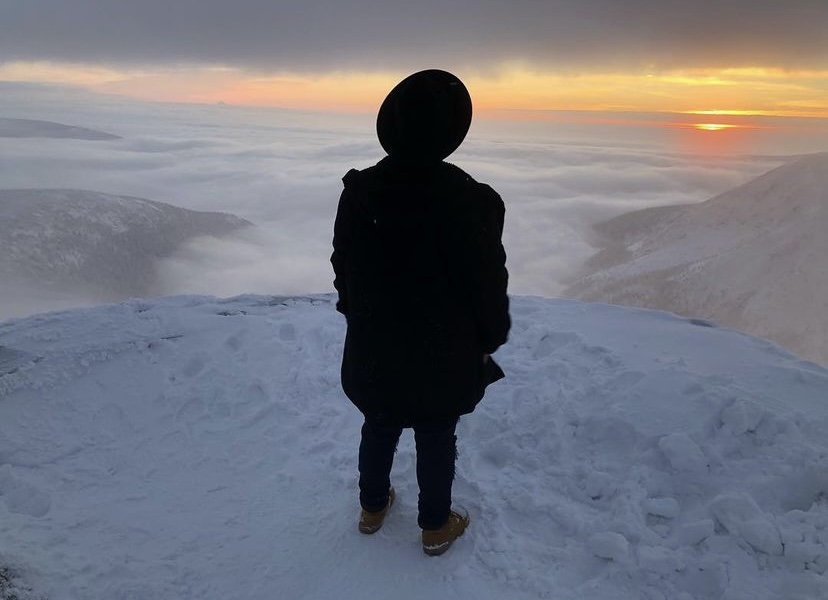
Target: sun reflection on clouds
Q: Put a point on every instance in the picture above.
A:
(717, 139)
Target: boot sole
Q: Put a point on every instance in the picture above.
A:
(438, 550)
(441, 548)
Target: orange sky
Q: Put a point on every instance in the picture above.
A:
(718, 92)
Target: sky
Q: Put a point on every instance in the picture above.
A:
(727, 56)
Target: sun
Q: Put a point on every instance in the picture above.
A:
(713, 126)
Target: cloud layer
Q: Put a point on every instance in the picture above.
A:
(364, 35)
(282, 169)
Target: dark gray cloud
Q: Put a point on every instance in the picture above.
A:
(394, 34)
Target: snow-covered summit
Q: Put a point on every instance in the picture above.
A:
(31, 128)
(199, 448)
(97, 246)
(752, 258)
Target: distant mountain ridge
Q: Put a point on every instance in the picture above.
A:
(100, 245)
(752, 258)
(31, 128)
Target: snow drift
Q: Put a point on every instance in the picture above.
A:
(81, 244)
(199, 448)
(752, 258)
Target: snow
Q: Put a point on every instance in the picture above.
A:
(82, 244)
(192, 447)
(751, 258)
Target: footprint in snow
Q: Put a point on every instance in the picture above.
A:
(287, 332)
(194, 366)
(236, 341)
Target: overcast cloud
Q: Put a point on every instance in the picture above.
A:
(319, 35)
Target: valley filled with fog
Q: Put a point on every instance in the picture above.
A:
(558, 173)
(282, 169)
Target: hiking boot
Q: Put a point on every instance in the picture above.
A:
(370, 522)
(437, 541)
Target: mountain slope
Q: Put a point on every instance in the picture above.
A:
(30, 128)
(752, 258)
(200, 448)
(89, 244)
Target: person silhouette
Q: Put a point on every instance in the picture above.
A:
(420, 272)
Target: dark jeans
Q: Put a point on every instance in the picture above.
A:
(436, 453)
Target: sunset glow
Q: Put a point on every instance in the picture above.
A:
(728, 92)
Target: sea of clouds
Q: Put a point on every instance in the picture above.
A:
(281, 170)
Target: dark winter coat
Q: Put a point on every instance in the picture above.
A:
(421, 276)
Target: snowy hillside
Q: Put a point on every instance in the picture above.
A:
(29, 128)
(194, 448)
(91, 245)
(753, 258)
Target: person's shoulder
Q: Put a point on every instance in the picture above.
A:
(355, 176)
(451, 173)
(473, 189)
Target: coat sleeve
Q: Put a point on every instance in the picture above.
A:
(478, 262)
(342, 242)
(491, 302)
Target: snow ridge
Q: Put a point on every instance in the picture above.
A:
(200, 448)
(94, 244)
(751, 258)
